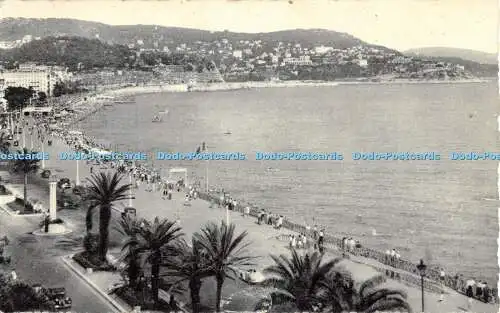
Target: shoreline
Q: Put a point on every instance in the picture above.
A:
(229, 86)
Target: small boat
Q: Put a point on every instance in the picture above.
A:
(228, 132)
(124, 101)
(157, 119)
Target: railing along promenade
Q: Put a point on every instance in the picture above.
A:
(410, 275)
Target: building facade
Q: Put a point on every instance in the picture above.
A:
(40, 78)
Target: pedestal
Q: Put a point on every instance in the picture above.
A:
(53, 201)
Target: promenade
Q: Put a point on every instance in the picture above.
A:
(265, 240)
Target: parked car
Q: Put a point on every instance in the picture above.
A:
(64, 183)
(5, 257)
(80, 190)
(45, 174)
(58, 299)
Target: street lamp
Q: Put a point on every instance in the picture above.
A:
(42, 139)
(421, 268)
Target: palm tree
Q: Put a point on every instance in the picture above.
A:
(298, 278)
(225, 251)
(337, 291)
(156, 240)
(104, 190)
(25, 166)
(4, 144)
(191, 265)
(130, 228)
(372, 298)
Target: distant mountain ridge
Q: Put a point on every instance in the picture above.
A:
(465, 54)
(15, 28)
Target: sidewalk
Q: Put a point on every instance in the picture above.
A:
(264, 239)
(100, 282)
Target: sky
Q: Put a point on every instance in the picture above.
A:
(398, 24)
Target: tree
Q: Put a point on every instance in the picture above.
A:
(4, 144)
(157, 240)
(17, 97)
(225, 250)
(338, 291)
(372, 298)
(104, 190)
(298, 278)
(191, 265)
(26, 166)
(42, 97)
(19, 296)
(130, 228)
(59, 90)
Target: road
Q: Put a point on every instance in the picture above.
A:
(37, 260)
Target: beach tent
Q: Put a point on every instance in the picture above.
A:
(37, 110)
(173, 171)
(99, 151)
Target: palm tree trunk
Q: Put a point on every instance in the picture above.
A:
(133, 271)
(25, 200)
(155, 276)
(46, 224)
(104, 220)
(220, 283)
(194, 290)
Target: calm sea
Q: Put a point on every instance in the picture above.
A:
(436, 210)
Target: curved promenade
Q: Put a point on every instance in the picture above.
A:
(432, 281)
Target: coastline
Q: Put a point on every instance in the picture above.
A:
(228, 86)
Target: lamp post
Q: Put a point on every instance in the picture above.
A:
(421, 268)
(42, 139)
(130, 197)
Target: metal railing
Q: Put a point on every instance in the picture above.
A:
(432, 281)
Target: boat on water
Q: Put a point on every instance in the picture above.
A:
(124, 101)
(228, 132)
(157, 119)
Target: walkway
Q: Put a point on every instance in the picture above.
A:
(263, 238)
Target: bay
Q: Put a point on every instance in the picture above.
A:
(437, 210)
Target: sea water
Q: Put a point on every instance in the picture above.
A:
(441, 210)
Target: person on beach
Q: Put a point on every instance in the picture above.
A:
(294, 242)
(315, 232)
(321, 238)
(260, 217)
(279, 223)
(299, 241)
(304, 241)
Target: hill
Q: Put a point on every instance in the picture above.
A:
(16, 28)
(465, 54)
(475, 68)
(69, 51)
